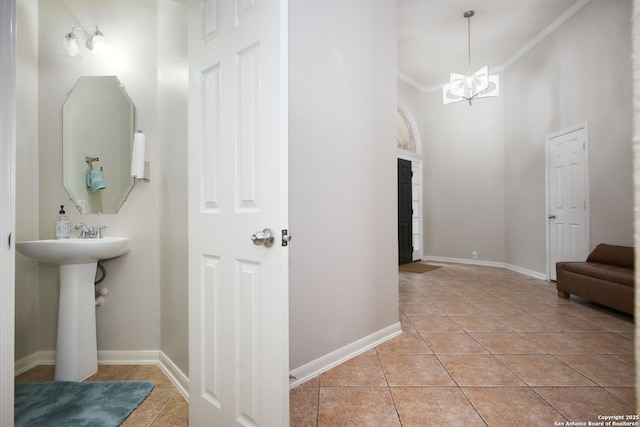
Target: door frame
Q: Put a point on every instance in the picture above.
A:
(7, 208)
(417, 167)
(547, 189)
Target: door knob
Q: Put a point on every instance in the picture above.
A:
(263, 238)
(552, 217)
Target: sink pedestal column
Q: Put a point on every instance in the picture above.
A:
(77, 346)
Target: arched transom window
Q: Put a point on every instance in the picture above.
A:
(406, 139)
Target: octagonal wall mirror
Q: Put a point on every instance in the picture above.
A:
(98, 122)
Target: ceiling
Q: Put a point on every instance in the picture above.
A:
(432, 34)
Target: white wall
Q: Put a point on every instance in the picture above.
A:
(154, 214)
(580, 73)
(342, 167)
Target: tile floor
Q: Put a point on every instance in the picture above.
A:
(164, 407)
(481, 346)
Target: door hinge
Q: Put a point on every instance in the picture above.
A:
(9, 240)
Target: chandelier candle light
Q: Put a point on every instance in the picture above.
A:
(471, 86)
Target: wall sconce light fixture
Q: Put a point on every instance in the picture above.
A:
(70, 45)
(97, 43)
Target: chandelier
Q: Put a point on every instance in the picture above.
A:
(471, 86)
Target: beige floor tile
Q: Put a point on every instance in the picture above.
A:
(435, 324)
(151, 373)
(541, 309)
(500, 309)
(404, 343)
(414, 370)
(406, 324)
(570, 323)
(112, 372)
(526, 323)
(618, 323)
(479, 370)
(482, 323)
(357, 407)
(38, 374)
(608, 342)
(561, 343)
(626, 394)
(544, 370)
(422, 309)
(303, 406)
(434, 407)
(363, 370)
(444, 343)
(151, 407)
(603, 369)
(584, 403)
(176, 414)
(460, 309)
(506, 343)
(512, 406)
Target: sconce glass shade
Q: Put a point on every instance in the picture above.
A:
(70, 45)
(98, 44)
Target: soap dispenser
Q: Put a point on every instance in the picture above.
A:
(63, 226)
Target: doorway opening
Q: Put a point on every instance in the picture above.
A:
(410, 223)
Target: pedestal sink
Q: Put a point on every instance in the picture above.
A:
(76, 347)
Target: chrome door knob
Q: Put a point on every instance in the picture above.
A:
(263, 238)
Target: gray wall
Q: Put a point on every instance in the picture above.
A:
(580, 73)
(342, 165)
(485, 165)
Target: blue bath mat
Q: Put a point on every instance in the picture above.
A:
(62, 403)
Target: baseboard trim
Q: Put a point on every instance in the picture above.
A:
(141, 357)
(517, 269)
(107, 357)
(177, 377)
(333, 359)
(46, 357)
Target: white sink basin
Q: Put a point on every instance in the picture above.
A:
(75, 251)
(76, 347)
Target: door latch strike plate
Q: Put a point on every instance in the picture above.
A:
(286, 237)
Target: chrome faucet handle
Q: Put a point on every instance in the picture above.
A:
(84, 230)
(98, 231)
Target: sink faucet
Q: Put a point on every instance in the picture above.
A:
(90, 232)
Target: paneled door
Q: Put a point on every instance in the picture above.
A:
(405, 212)
(567, 198)
(238, 267)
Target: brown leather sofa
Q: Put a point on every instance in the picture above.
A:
(606, 277)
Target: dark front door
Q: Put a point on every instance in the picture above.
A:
(405, 211)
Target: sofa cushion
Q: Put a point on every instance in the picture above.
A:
(612, 273)
(622, 256)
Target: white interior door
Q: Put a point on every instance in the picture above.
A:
(238, 291)
(567, 198)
